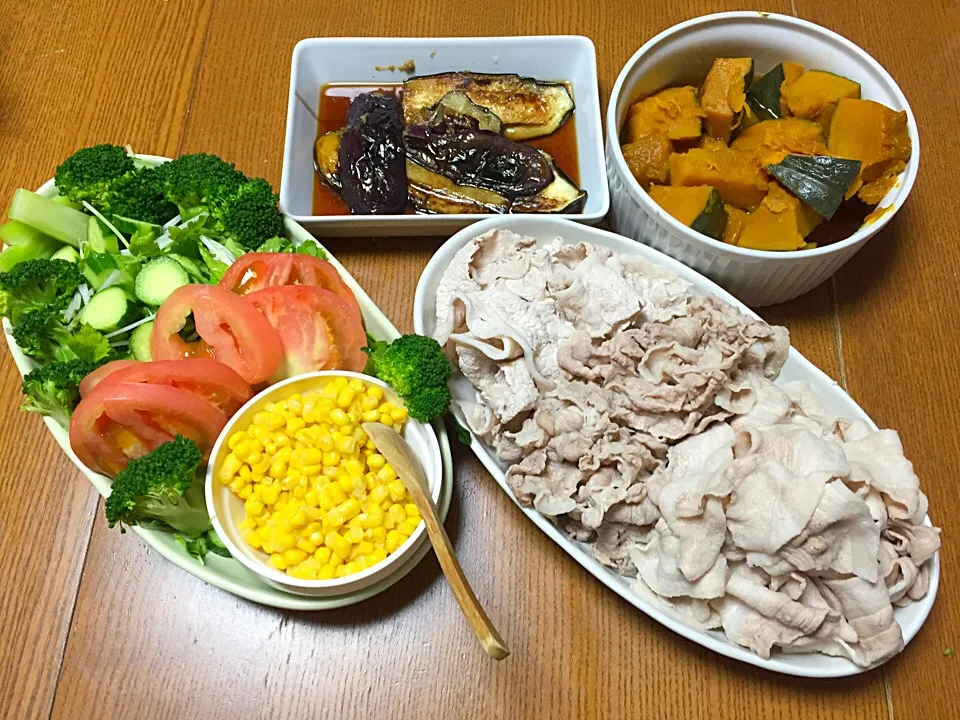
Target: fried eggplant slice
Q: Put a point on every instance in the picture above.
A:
(372, 172)
(326, 158)
(479, 158)
(455, 107)
(528, 108)
(434, 194)
(560, 196)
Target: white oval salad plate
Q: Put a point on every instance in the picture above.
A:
(797, 367)
(227, 573)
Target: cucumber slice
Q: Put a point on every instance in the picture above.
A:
(106, 310)
(158, 279)
(190, 265)
(100, 240)
(48, 216)
(67, 253)
(140, 342)
(14, 232)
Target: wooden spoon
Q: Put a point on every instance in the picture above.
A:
(398, 453)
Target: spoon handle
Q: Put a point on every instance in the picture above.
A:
(392, 446)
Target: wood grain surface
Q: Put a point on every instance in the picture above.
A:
(93, 624)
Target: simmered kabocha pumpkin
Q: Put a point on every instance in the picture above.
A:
(761, 164)
(815, 95)
(737, 176)
(674, 113)
(724, 95)
(875, 135)
(772, 140)
(648, 158)
(699, 208)
(780, 223)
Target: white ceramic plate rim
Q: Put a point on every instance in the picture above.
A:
(591, 114)
(907, 178)
(813, 665)
(256, 591)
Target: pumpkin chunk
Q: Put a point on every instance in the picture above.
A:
(815, 95)
(875, 135)
(820, 181)
(673, 112)
(736, 175)
(780, 223)
(736, 219)
(772, 140)
(648, 158)
(724, 95)
(699, 208)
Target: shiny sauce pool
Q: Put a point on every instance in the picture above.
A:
(335, 100)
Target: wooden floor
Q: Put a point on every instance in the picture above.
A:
(95, 625)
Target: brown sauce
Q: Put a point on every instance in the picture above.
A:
(335, 100)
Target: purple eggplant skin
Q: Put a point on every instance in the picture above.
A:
(479, 158)
(373, 170)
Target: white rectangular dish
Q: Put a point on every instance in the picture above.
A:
(797, 367)
(319, 61)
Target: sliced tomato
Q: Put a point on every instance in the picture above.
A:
(257, 271)
(208, 379)
(119, 421)
(230, 331)
(95, 378)
(318, 330)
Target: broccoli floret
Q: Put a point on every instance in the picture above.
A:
(139, 195)
(160, 490)
(197, 179)
(89, 173)
(52, 390)
(42, 334)
(417, 369)
(37, 285)
(250, 216)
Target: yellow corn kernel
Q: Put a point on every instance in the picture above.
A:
(345, 482)
(345, 444)
(282, 541)
(368, 402)
(385, 419)
(355, 523)
(270, 494)
(345, 397)
(325, 442)
(322, 555)
(245, 492)
(399, 415)
(327, 572)
(277, 560)
(334, 518)
(378, 535)
(310, 497)
(353, 467)
(337, 495)
(245, 472)
(357, 385)
(365, 547)
(282, 441)
(354, 535)
(397, 514)
(323, 496)
(349, 508)
(339, 417)
(331, 458)
(294, 556)
(376, 461)
(340, 572)
(237, 438)
(351, 568)
(378, 555)
(237, 484)
(412, 511)
(270, 449)
(336, 560)
(370, 415)
(302, 573)
(375, 392)
(311, 470)
(361, 437)
(407, 527)
(394, 540)
(261, 467)
(372, 519)
(379, 494)
(231, 466)
(385, 505)
(337, 543)
(254, 506)
(307, 546)
(310, 456)
(396, 488)
(278, 470)
(295, 424)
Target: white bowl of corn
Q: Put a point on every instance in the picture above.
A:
(300, 495)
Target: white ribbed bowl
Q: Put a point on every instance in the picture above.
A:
(682, 55)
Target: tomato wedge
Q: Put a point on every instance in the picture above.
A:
(120, 421)
(95, 378)
(230, 331)
(208, 379)
(257, 271)
(318, 330)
